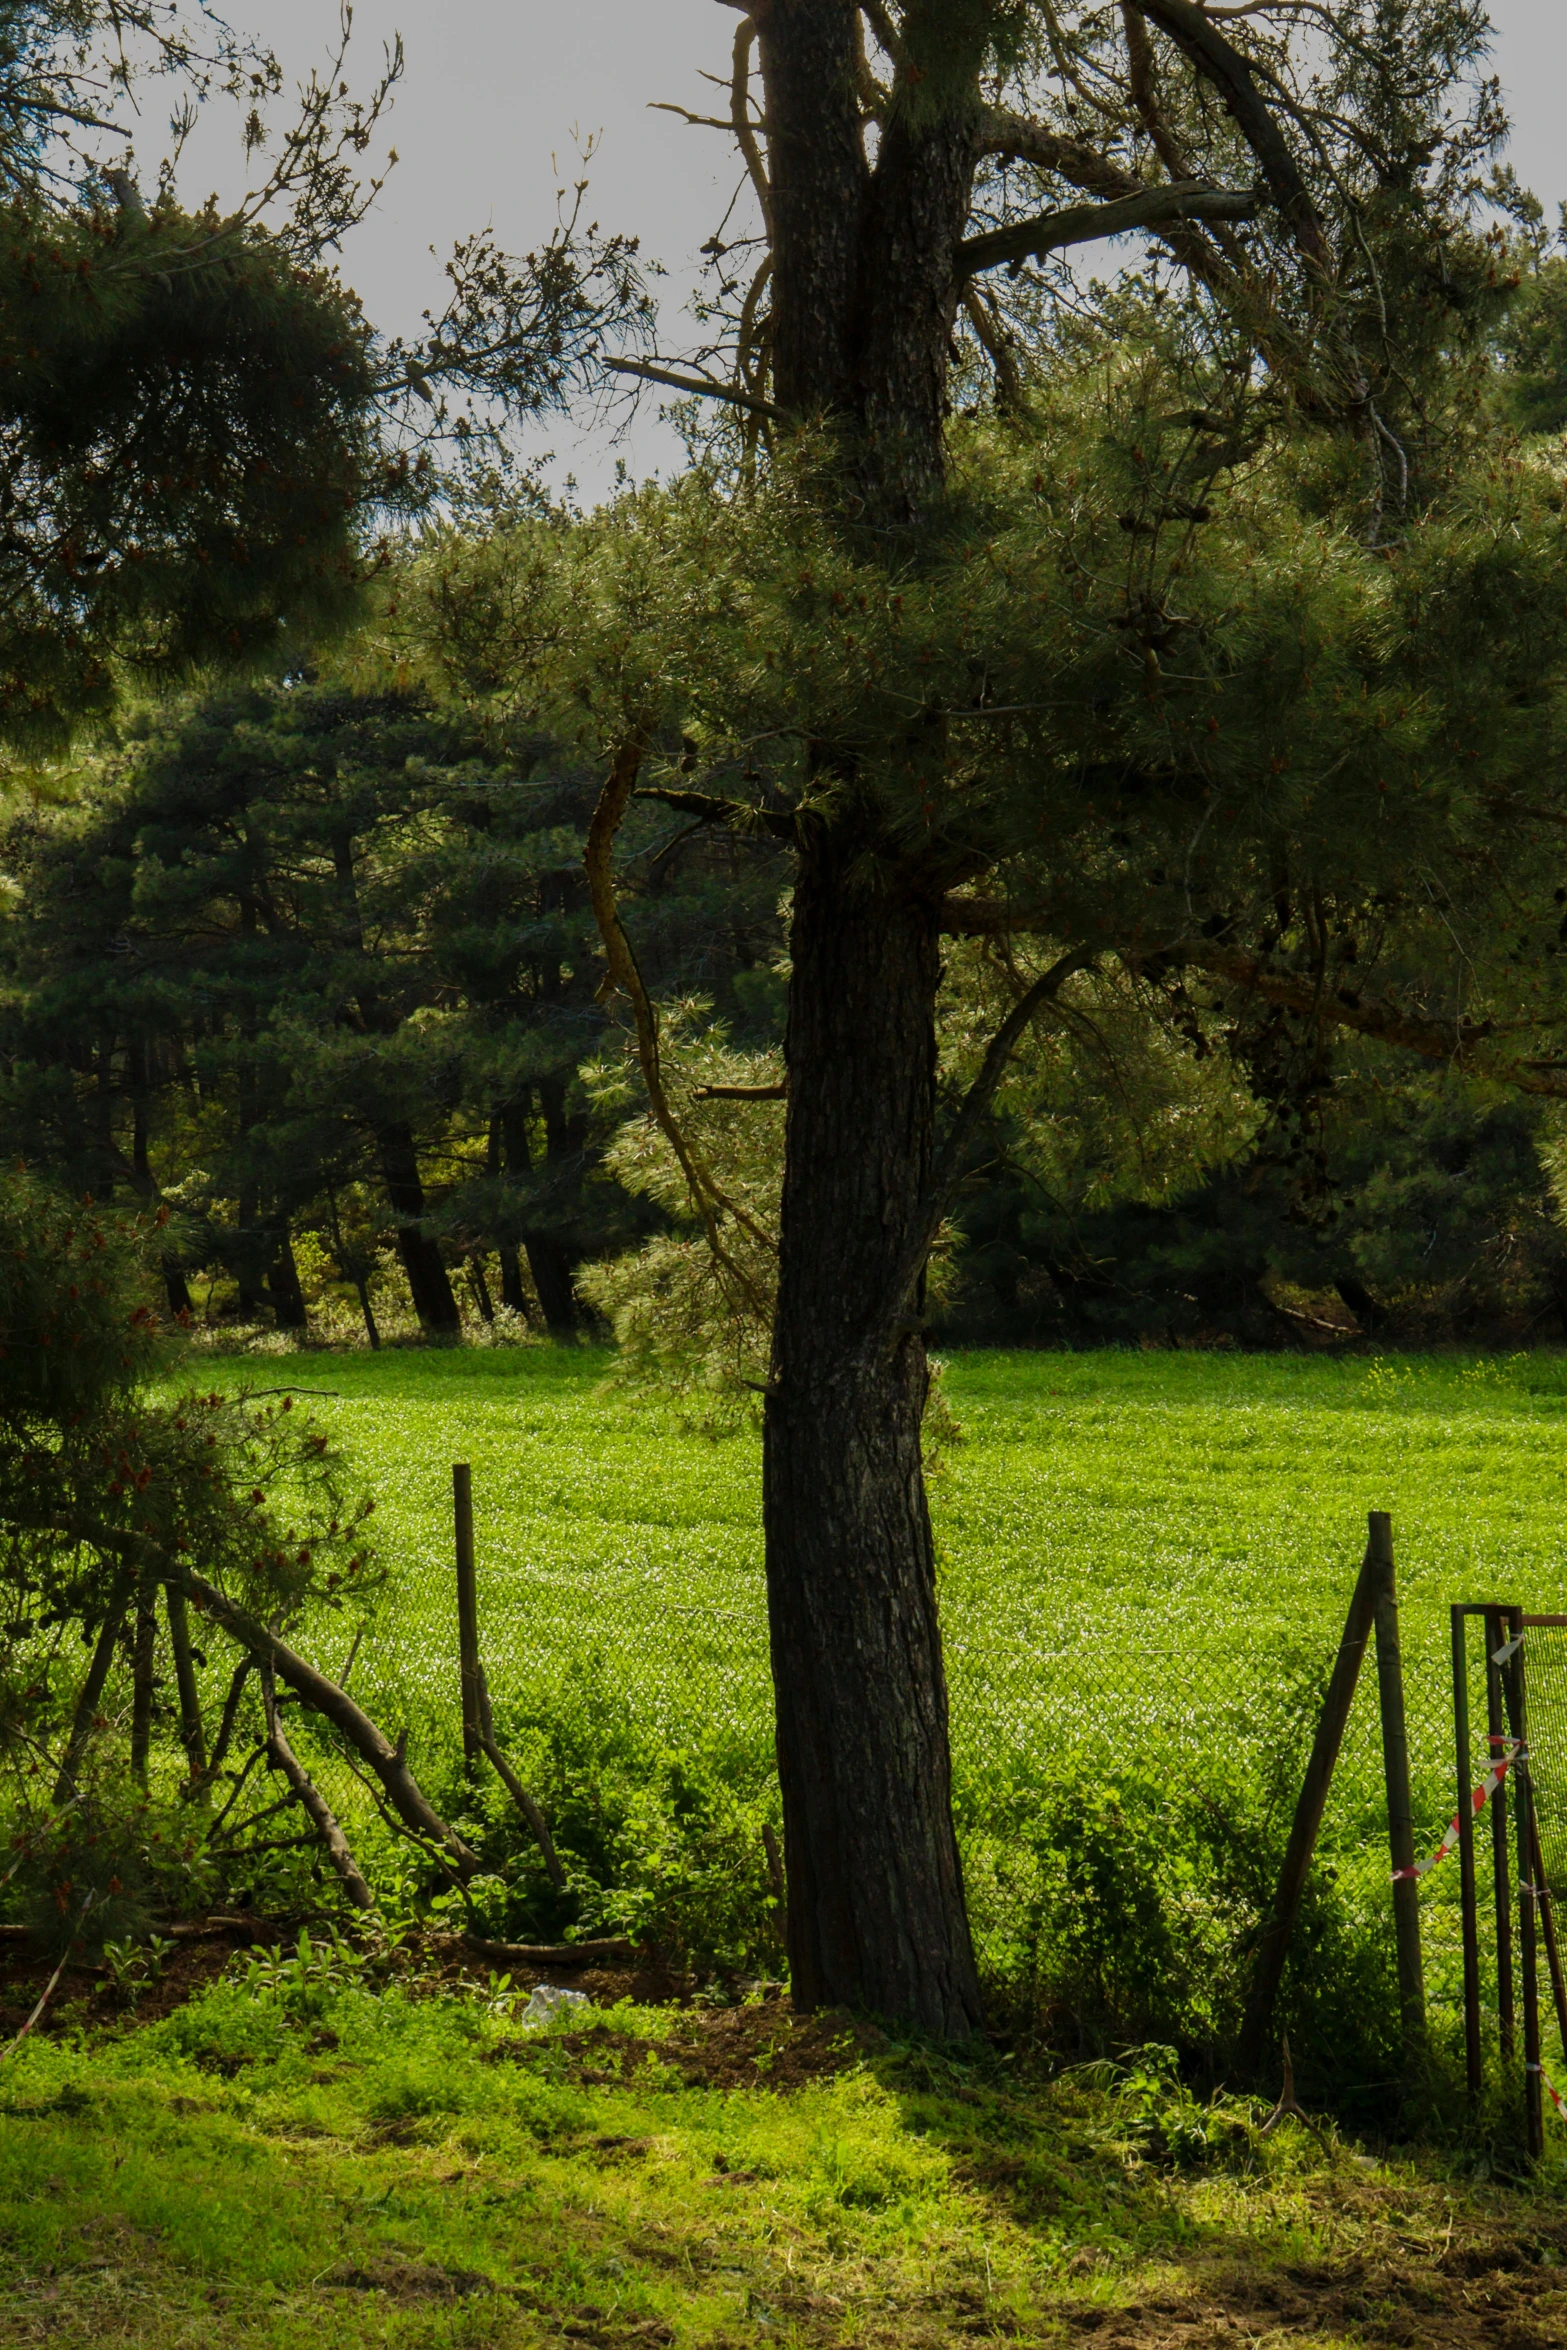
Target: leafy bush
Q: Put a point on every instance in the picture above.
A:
(659, 1842)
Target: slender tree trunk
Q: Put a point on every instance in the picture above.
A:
(513, 1295)
(92, 1689)
(144, 1651)
(192, 1736)
(428, 1280)
(481, 1289)
(283, 1287)
(368, 1311)
(875, 1911)
(548, 1261)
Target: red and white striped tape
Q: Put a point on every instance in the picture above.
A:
(1477, 1803)
(1551, 2089)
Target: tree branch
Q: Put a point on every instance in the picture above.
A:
(703, 385)
(1234, 77)
(947, 1172)
(321, 1815)
(531, 1812)
(740, 120)
(1011, 398)
(1457, 1041)
(1081, 224)
(1017, 135)
(706, 1196)
(716, 811)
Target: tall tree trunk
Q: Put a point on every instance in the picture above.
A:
(864, 291)
(428, 1281)
(875, 1895)
(551, 1270)
(548, 1261)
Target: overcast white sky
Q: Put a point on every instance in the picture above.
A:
(497, 88)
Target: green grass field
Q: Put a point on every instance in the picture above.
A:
(1195, 1507)
(1145, 1562)
(1137, 1550)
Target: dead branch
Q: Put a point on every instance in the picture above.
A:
(703, 385)
(706, 1196)
(1234, 77)
(740, 119)
(1143, 89)
(13, 2045)
(508, 1778)
(283, 1758)
(324, 1697)
(549, 1953)
(1081, 224)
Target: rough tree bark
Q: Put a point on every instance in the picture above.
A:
(875, 1895)
(867, 261)
(865, 288)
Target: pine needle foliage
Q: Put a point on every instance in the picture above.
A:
(106, 1477)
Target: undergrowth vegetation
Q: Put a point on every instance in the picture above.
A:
(310, 2147)
(1145, 1561)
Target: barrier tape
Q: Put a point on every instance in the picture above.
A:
(1551, 2089)
(1477, 1803)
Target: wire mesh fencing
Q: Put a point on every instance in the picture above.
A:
(1045, 1720)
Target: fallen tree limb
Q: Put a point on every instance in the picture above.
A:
(319, 1811)
(515, 1789)
(549, 1953)
(324, 1697)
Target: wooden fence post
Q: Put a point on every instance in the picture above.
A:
(467, 1617)
(1395, 1767)
(1307, 1821)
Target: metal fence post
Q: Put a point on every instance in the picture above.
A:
(467, 1616)
(1528, 1967)
(1495, 1638)
(1395, 1765)
(1474, 2064)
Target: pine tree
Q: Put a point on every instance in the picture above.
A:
(1225, 644)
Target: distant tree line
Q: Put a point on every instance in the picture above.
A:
(317, 967)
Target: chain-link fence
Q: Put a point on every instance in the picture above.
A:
(1044, 1719)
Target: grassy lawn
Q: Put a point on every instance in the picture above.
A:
(1135, 1548)
(1203, 1509)
(1142, 1557)
(347, 2168)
